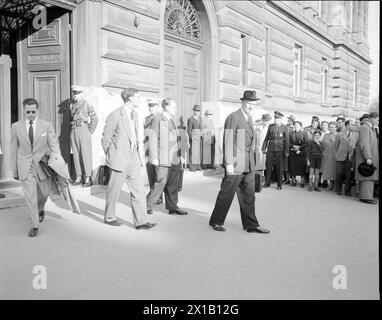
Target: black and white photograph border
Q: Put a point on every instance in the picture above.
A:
(85, 86)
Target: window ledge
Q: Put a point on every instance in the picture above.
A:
(325, 105)
(299, 99)
(268, 94)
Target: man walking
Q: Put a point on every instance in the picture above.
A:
(194, 130)
(239, 160)
(165, 155)
(83, 123)
(276, 146)
(121, 146)
(33, 139)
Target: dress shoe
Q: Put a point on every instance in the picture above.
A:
(2, 196)
(258, 230)
(310, 189)
(77, 182)
(87, 184)
(317, 189)
(369, 201)
(266, 185)
(348, 194)
(293, 183)
(217, 227)
(33, 232)
(178, 211)
(146, 226)
(279, 188)
(41, 215)
(114, 223)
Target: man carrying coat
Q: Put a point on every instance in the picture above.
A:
(367, 151)
(33, 139)
(120, 141)
(276, 146)
(239, 161)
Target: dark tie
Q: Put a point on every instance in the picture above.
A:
(31, 132)
(131, 116)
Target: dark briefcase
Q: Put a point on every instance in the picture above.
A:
(258, 182)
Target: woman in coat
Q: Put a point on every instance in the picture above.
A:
(367, 151)
(297, 156)
(328, 160)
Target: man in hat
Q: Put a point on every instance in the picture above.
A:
(194, 130)
(239, 160)
(261, 131)
(291, 120)
(166, 155)
(364, 118)
(120, 142)
(276, 146)
(208, 137)
(367, 151)
(83, 123)
(154, 109)
(32, 140)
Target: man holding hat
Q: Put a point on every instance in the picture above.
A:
(83, 120)
(239, 160)
(194, 130)
(367, 152)
(276, 146)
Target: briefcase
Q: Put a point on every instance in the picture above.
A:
(258, 181)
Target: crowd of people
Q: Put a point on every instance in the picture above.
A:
(322, 155)
(326, 154)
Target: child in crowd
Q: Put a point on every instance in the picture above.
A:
(314, 157)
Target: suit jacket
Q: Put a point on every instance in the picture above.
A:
(367, 148)
(277, 139)
(164, 141)
(194, 128)
(342, 146)
(117, 139)
(239, 142)
(44, 143)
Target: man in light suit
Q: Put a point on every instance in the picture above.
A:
(343, 152)
(165, 155)
(121, 146)
(239, 160)
(33, 139)
(194, 130)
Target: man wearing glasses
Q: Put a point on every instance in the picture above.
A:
(33, 139)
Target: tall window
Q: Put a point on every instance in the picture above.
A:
(324, 80)
(355, 88)
(297, 75)
(244, 60)
(267, 57)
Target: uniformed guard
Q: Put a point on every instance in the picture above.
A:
(83, 121)
(276, 146)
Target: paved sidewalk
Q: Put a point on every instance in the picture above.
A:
(183, 258)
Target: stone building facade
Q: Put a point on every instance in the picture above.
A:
(302, 57)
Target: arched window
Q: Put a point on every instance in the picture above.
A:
(182, 18)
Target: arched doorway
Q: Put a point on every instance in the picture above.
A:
(187, 46)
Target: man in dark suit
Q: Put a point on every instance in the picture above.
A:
(276, 146)
(165, 155)
(239, 160)
(194, 130)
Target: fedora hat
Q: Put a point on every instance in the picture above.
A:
(196, 108)
(249, 95)
(366, 170)
(266, 117)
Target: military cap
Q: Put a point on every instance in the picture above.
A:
(364, 116)
(278, 115)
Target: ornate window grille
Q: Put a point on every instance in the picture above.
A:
(182, 18)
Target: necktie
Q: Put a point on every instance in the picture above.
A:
(31, 132)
